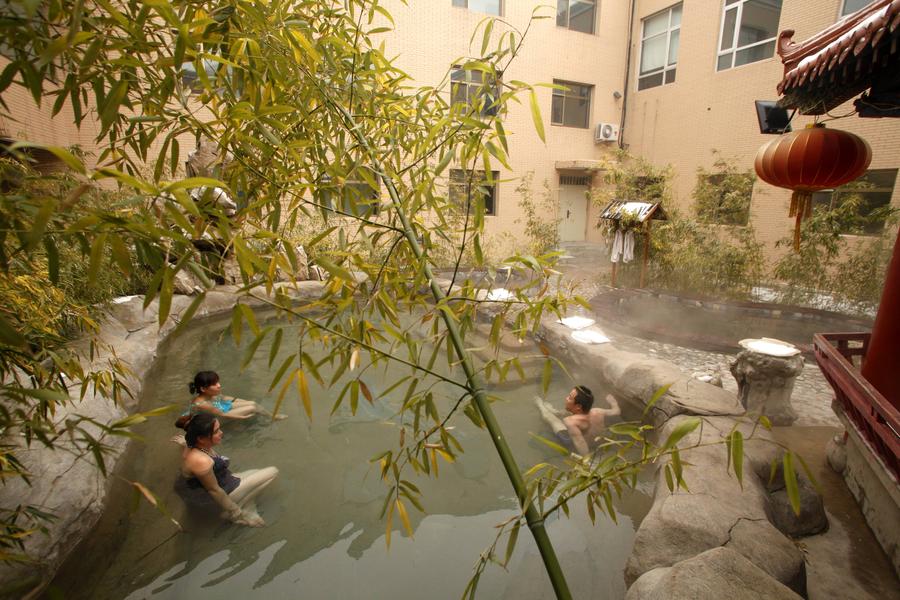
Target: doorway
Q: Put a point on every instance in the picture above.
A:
(573, 206)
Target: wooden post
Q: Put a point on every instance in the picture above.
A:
(646, 250)
(613, 282)
(882, 360)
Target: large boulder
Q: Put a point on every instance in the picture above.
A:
(812, 518)
(716, 573)
(63, 483)
(718, 511)
(760, 542)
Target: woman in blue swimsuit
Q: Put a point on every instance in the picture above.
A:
(209, 399)
(206, 481)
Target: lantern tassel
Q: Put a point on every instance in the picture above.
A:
(801, 208)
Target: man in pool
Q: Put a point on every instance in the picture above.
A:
(584, 422)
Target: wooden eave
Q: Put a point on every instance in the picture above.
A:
(841, 61)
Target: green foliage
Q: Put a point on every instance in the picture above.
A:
(541, 216)
(722, 195)
(829, 263)
(694, 258)
(633, 179)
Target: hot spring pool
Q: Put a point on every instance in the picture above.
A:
(324, 538)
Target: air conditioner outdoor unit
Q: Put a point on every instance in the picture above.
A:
(606, 132)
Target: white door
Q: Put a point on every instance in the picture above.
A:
(572, 213)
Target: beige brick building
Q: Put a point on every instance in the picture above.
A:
(683, 75)
(704, 108)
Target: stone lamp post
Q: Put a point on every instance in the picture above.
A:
(765, 371)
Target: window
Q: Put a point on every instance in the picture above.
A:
(491, 7)
(659, 47)
(572, 106)
(851, 6)
(482, 190)
(749, 29)
(214, 71)
(872, 192)
(724, 198)
(473, 89)
(357, 196)
(577, 15)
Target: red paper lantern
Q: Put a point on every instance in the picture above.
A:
(810, 160)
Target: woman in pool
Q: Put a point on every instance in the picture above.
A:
(209, 399)
(206, 480)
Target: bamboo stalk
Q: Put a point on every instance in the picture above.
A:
(532, 516)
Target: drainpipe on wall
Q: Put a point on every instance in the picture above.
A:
(627, 74)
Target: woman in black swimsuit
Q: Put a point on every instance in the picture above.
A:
(206, 480)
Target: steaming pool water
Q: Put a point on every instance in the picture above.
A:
(324, 537)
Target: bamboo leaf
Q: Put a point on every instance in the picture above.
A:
(335, 270)
(166, 290)
(96, 258)
(365, 391)
(276, 345)
(511, 543)
(546, 376)
(656, 396)
(790, 482)
(536, 116)
(669, 481)
(401, 510)
(303, 388)
(354, 396)
(188, 314)
(251, 349)
(52, 259)
(808, 472)
(486, 38)
(249, 317)
(684, 428)
(737, 455)
(556, 447)
(236, 326)
(120, 254)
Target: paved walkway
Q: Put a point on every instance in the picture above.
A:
(588, 266)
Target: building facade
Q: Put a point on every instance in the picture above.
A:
(667, 81)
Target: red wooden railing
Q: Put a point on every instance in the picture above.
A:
(876, 419)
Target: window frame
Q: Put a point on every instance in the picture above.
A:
(666, 68)
(335, 198)
(480, 87)
(568, 24)
(478, 181)
(876, 229)
(564, 94)
(465, 4)
(842, 14)
(733, 49)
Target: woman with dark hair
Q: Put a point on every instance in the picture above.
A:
(208, 398)
(206, 481)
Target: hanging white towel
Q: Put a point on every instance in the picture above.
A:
(628, 246)
(617, 246)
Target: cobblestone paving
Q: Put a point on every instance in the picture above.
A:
(812, 394)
